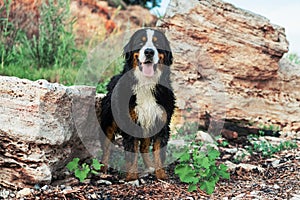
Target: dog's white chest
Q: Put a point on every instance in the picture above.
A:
(147, 110)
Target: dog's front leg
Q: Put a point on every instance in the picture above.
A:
(144, 149)
(106, 143)
(131, 146)
(158, 163)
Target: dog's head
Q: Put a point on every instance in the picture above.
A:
(148, 51)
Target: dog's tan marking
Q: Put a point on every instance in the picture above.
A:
(131, 167)
(110, 134)
(144, 148)
(133, 115)
(159, 171)
(135, 60)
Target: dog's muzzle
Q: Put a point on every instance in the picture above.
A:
(148, 67)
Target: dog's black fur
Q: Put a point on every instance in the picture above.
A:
(118, 107)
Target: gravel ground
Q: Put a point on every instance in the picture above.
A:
(255, 177)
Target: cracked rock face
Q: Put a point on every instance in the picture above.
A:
(228, 68)
(39, 129)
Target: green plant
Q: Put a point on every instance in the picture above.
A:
(84, 170)
(55, 43)
(266, 149)
(271, 128)
(294, 58)
(114, 68)
(51, 54)
(188, 131)
(261, 133)
(10, 36)
(200, 168)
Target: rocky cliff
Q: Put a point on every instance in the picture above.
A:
(228, 69)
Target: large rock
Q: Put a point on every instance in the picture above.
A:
(42, 127)
(227, 67)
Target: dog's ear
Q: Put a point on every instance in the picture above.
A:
(127, 51)
(168, 58)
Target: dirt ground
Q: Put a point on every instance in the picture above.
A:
(252, 177)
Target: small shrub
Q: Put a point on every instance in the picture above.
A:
(271, 129)
(266, 149)
(50, 54)
(10, 36)
(84, 170)
(198, 168)
(55, 43)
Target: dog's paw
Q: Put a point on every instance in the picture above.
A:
(161, 174)
(131, 177)
(104, 169)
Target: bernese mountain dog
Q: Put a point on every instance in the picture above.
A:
(140, 103)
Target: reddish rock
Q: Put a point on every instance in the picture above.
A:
(228, 66)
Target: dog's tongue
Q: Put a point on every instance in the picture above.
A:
(148, 69)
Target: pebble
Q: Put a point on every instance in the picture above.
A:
(24, 192)
(12, 195)
(45, 187)
(134, 183)
(68, 188)
(190, 198)
(105, 182)
(232, 151)
(4, 194)
(37, 187)
(94, 196)
(226, 156)
(295, 197)
(142, 181)
(276, 186)
(205, 137)
(275, 163)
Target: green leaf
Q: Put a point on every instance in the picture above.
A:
(185, 157)
(185, 173)
(213, 154)
(223, 171)
(96, 165)
(94, 172)
(208, 187)
(71, 166)
(82, 174)
(192, 187)
(205, 163)
(198, 158)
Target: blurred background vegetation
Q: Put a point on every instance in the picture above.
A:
(49, 50)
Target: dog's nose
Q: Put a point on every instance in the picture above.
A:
(149, 53)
